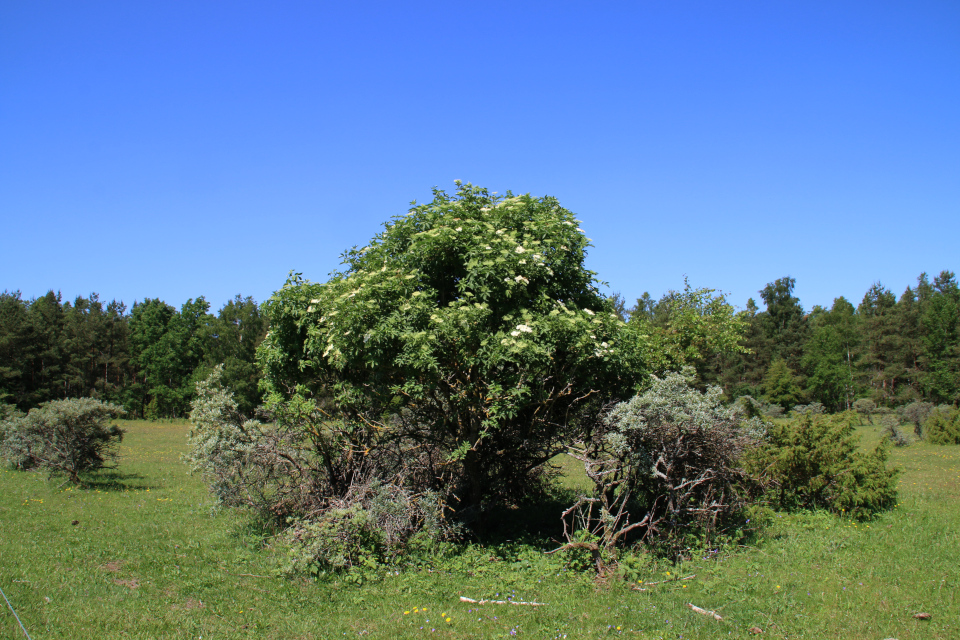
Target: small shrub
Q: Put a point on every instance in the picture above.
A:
(345, 496)
(773, 411)
(865, 407)
(374, 525)
(815, 408)
(749, 407)
(890, 429)
(942, 426)
(63, 436)
(916, 413)
(665, 467)
(813, 462)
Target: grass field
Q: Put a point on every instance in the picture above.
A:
(149, 557)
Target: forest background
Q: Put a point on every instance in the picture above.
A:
(893, 350)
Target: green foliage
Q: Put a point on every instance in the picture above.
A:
(781, 386)
(232, 340)
(828, 354)
(169, 346)
(942, 426)
(63, 436)
(468, 331)
(941, 340)
(813, 463)
(784, 323)
(686, 328)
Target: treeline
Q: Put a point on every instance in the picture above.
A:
(147, 360)
(889, 349)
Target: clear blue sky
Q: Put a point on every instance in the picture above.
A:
(178, 149)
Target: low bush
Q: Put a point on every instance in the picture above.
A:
(866, 408)
(942, 426)
(890, 429)
(376, 524)
(63, 436)
(816, 408)
(813, 462)
(343, 496)
(665, 468)
(915, 413)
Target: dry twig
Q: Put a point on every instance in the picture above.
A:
(530, 604)
(704, 612)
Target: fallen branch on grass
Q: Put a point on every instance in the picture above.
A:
(704, 612)
(671, 580)
(530, 604)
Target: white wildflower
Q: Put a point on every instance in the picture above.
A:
(519, 249)
(519, 279)
(580, 230)
(588, 312)
(522, 328)
(523, 262)
(459, 229)
(514, 333)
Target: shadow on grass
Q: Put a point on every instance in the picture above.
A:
(115, 480)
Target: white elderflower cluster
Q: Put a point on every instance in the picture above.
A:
(521, 328)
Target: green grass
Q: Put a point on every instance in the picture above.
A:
(151, 558)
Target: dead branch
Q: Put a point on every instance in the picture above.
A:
(704, 612)
(672, 580)
(517, 602)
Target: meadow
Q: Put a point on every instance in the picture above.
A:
(142, 552)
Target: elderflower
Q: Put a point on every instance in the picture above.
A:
(519, 249)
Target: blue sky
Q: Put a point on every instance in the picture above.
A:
(180, 149)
